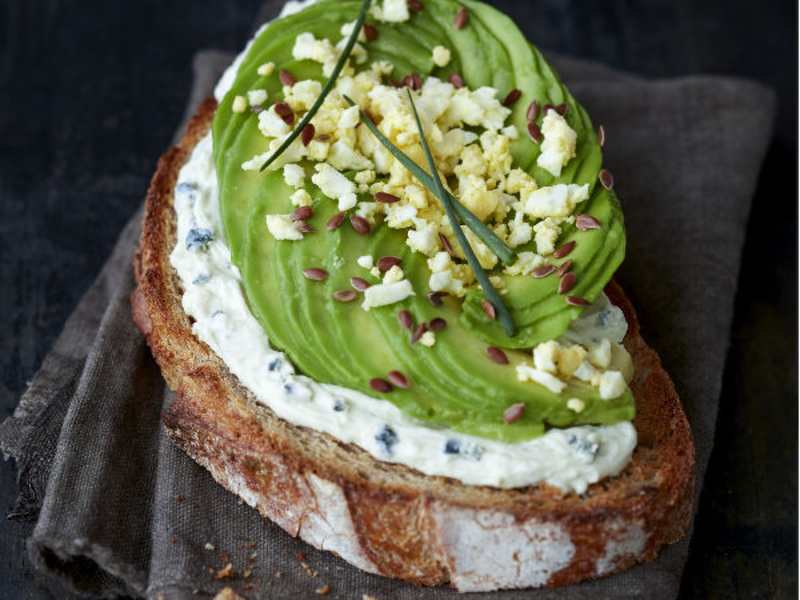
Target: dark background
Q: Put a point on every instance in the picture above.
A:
(91, 92)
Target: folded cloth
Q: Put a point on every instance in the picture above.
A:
(120, 511)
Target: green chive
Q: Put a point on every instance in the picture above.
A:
(478, 227)
(351, 41)
(491, 294)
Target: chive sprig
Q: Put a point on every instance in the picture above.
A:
(491, 294)
(351, 41)
(478, 227)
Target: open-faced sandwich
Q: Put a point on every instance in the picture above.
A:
(378, 271)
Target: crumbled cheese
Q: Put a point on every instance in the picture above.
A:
(545, 356)
(611, 384)
(257, 97)
(383, 294)
(301, 198)
(428, 339)
(525, 263)
(547, 232)
(307, 47)
(569, 359)
(365, 262)
(271, 125)
(239, 104)
(294, 175)
(266, 69)
(552, 383)
(519, 181)
(511, 132)
(393, 275)
(282, 228)
(392, 11)
(370, 211)
(441, 56)
(335, 186)
(365, 177)
(553, 201)
(585, 372)
(558, 145)
(347, 29)
(600, 354)
(424, 239)
(576, 404)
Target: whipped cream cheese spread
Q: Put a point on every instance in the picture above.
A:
(570, 458)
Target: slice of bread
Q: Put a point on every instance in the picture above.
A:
(386, 518)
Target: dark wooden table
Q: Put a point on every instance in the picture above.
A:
(90, 93)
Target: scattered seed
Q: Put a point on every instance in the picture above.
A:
(370, 32)
(512, 97)
(308, 134)
(304, 227)
(542, 271)
(302, 213)
(323, 137)
(420, 329)
(287, 78)
(397, 379)
(406, 320)
(533, 111)
(562, 251)
(535, 132)
(335, 221)
(495, 354)
(415, 5)
(562, 109)
(437, 324)
(435, 298)
(513, 412)
(359, 284)
(606, 178)
(584, 222)
(360, 224)
(395, 83)
(456, 80)
(386, 197)
(567, 282)
(380, 385)
(461, 19)
(315, 274)
(601, 136)
(387, 262)
(413, 80)
(325, 589)
(446, 244)
(489, 309)
(566, 266)
(577, 301)
(344, 295)
(284, 111)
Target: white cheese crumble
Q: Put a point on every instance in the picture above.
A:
(257, 97)
(282, 228)
(558, 145)
(386, 293)
(441, 56)
(239, 104)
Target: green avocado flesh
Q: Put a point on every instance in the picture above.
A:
(453, 383)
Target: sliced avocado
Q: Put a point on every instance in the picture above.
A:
(453, 383)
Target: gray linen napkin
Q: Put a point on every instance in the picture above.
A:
(121, 511)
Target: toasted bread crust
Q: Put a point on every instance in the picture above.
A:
(386, 518)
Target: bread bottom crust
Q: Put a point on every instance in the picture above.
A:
(386, 518)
